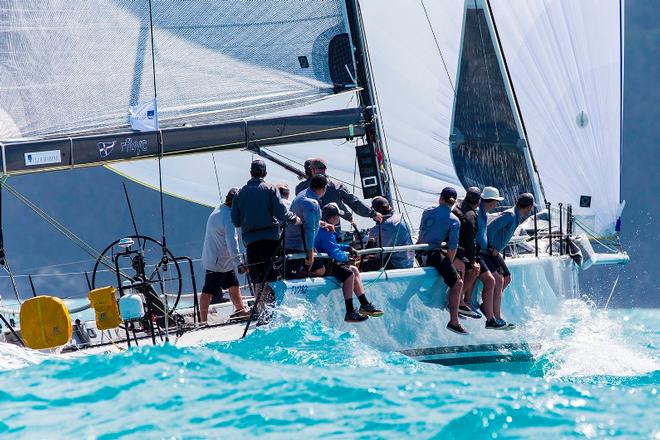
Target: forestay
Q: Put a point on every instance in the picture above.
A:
(565, 59)
(71, 67)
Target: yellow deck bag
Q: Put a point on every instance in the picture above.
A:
(45, 322)
(104, 303)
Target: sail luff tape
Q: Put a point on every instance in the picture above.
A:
(4, 159)
(71, 151)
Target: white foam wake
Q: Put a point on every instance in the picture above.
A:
(586, 341)
(13, 357)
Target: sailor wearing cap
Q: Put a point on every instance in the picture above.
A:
(220, 257)
(301, 238)
(392, 231)
(499, 233)
(439, 225)
(260, 213)
(341, 267)
(339, 194)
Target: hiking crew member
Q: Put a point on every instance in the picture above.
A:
(393, 231)
(467, 260)
(301, 238)
(489, 199)
(341, 268)
(339, 194)
(220, 257)
(260, 213)
(499, 233)
(437, 225)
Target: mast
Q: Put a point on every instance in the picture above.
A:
(372, 162)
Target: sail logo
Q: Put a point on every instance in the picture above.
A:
(105, 148)
(43, 158)
(144, 116)
(134, 147)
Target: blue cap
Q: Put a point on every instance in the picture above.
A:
(449, 194)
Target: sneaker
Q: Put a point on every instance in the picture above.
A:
(239, 314)
(495, 324)
(506, 325)
(370, 310)
(468, 312)
(457, 329)
(354, 316)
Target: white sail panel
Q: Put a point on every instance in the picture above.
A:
(415, 80)
(414, 66)
(564, 57)
(69, 67)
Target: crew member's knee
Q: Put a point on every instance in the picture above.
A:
(488, 280)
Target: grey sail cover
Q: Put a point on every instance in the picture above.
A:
(70, 67)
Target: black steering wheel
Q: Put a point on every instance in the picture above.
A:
(159, 265)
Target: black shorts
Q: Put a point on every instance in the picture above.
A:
(216, 282)
(338, 270)
(260, 256)
(297, 269)
(496, 264)
(444, 267)
(483, 267)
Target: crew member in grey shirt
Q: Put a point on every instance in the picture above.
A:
(220, 258)
(393, 231)
(339, 194)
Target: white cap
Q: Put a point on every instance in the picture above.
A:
(491, 193)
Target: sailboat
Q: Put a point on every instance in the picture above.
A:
(405, 98)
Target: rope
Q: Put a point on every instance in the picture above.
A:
(428, 19)
(616, 281)
(217, 177)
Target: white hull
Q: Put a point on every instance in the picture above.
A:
(414, 302)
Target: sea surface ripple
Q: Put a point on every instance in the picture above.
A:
(597, 377)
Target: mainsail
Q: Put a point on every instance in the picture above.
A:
(70, 67)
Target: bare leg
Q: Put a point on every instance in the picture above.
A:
(236, 299)
(507, 281)
(358, 288)
(497, 295)
(487, 294)
(348, 286)
(470, 280)
(204, 302)
(455, 293)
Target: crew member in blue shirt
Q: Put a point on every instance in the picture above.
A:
(341, 267)
(499, 233)
(299, 239)
(438, 224)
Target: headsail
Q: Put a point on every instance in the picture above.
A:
(565, 59)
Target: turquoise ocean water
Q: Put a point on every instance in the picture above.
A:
(597, 377)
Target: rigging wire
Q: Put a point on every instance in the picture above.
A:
(437, 44)
(217, 176)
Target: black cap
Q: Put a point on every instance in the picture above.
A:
(258, 166)
(319, 181)
(525, 200)
(449, 194)
(331, 210)
(381, 205)
(473, 195)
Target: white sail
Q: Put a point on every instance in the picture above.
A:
(414, 72)
(565, 60)
(70, 67)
